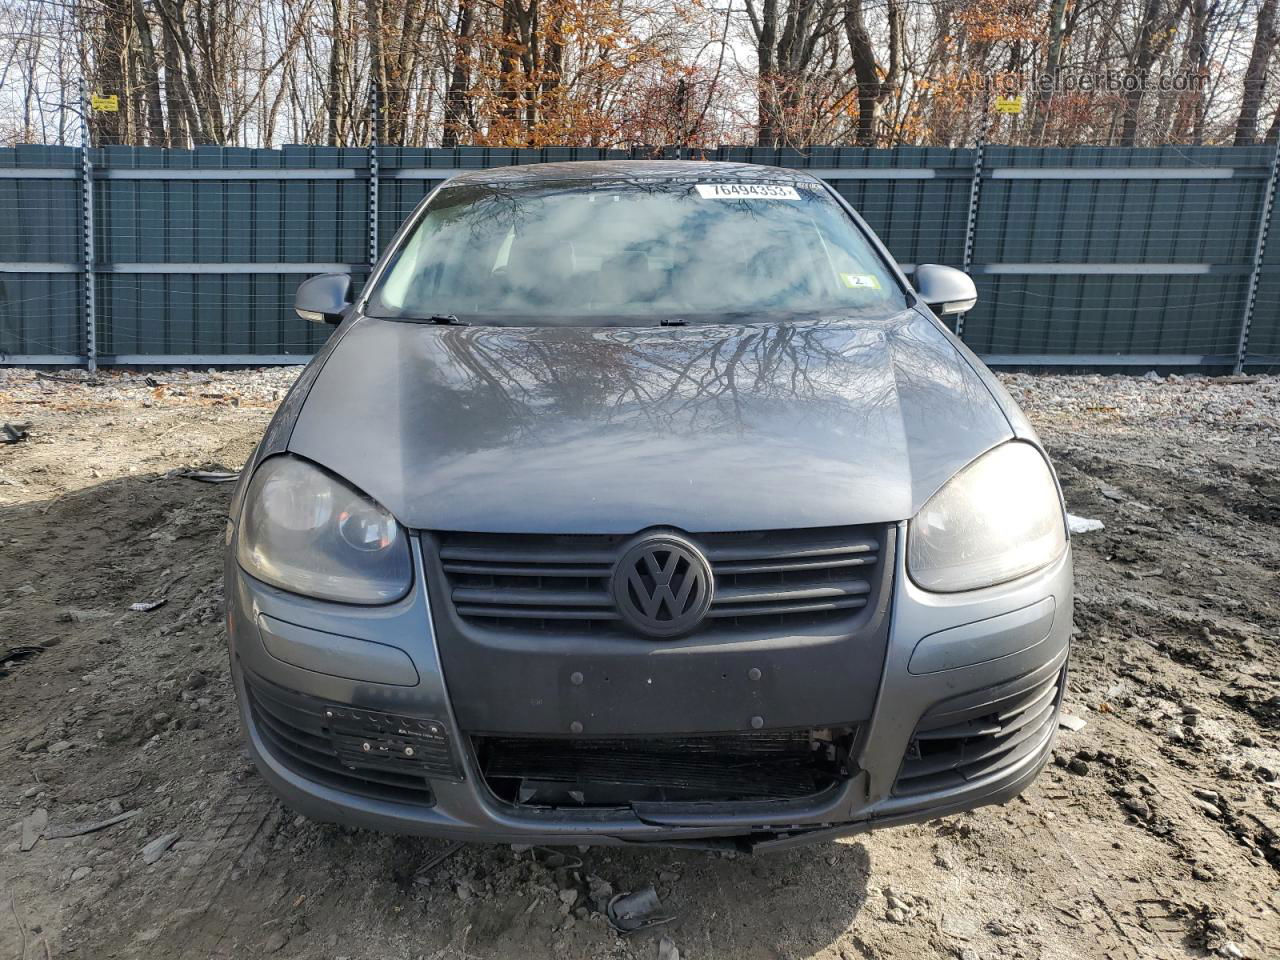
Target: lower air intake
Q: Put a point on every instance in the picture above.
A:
(607, 771)
(373, 754)
(980, 734)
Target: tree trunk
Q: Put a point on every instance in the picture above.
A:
(111, 76)
(1052, 68)
(457, 110)
(149, 69)
(182, 118)
(1155, 34)
(1187, 124)
(1255, 74)
(377, 67)
(873, 90)
(764, 25)
(335, 126)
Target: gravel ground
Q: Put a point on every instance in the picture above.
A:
(1155, 834)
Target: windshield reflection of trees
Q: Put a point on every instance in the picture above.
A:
(698, 258)
(488, 207)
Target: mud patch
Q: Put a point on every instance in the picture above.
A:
(1154, 833)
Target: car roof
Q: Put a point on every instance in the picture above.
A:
(686, 170)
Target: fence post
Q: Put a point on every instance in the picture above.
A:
(975, 190)
(87, 254)
(373, 175)
(1259, 248)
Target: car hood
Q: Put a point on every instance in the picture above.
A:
(759, 426)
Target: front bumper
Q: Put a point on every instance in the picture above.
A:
(950, 659)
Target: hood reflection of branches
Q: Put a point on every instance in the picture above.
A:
(700, 379)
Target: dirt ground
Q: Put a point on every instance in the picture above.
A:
(1155, 834)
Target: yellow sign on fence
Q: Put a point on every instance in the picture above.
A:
(1008, 104)
(107, 104)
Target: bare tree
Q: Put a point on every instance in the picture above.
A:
(1255, 74)
(876, 84)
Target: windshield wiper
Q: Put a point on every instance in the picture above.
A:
(673, 322)
(446, 320)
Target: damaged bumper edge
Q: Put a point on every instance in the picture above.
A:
(909, 721)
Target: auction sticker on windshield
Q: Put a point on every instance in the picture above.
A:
(746, 191)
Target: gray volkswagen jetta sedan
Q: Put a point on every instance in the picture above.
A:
(645, 502)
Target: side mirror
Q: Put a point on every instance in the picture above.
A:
(946, 290)
(323, 299)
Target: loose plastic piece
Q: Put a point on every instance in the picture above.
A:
(33, 828)
(14, 432)
(80, 829)
(630, 912)
(1082, 524)
(210, 476)
(154, 850)
(425, 870)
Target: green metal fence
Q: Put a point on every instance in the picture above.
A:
(1083, 257)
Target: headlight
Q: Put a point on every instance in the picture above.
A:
(306, 531)
(996, 519)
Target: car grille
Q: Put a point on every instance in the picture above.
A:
(765, 579)
(971, 737)
(560, 771)
(365, 752)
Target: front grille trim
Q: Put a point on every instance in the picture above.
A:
(811, 578)
(297, 733)
(954, 747)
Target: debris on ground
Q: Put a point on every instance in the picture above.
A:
(80, 829)
(425, 870)
(14, 432)
(154, 850)
(209, 476)
(276, 941)
(1069, 721)
(630, 912)
(16, 655)
(146, 606)
(1083, 524)
(33, 828)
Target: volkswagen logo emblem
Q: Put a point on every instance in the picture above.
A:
(662, 586)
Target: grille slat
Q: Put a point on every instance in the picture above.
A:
(530, 597)
(790, 566)
(548, 583)
(793, 550)
(527, 570)
(828, 606)
(527, 553)
(1028, 717)
(946, 753)
(534, 613)
(729, 595)
(967, 729)
(1026, 702)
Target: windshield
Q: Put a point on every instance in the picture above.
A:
(633, 253)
